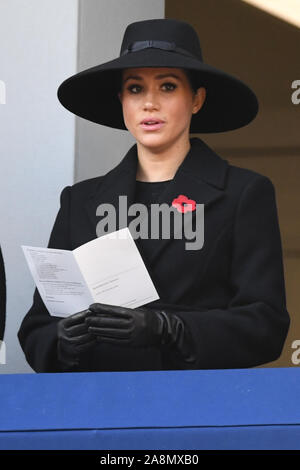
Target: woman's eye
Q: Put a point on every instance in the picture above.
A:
(132, 88)
(170, 86)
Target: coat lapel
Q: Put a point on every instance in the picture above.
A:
(119, 181)
(201, 177)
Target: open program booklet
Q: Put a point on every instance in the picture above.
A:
(109, 270)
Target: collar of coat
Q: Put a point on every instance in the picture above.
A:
(201, 177)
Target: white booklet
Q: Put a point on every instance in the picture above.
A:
(109, 270)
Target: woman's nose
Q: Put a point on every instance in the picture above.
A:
(151, 101)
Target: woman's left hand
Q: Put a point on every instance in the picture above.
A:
(139, 327)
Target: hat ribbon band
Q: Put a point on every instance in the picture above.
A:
(164, 45)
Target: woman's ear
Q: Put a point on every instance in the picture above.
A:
(120, 96)
(199, 99)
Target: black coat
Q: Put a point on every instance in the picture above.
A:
(230, 294)
(2, 297)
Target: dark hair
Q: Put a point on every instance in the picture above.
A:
(193, 78)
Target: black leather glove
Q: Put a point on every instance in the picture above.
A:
(73, 339)
(139, 327)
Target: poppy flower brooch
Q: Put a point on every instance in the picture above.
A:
(184, 204)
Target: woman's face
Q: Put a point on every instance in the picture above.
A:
(163, 95)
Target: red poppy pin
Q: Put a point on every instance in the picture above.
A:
(184, 204)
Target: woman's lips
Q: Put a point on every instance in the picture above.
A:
(152, 127)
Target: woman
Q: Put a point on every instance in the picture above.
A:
(221, 305)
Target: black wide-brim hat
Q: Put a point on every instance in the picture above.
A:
(93, 93)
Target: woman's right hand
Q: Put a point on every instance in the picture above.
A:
(73, 339)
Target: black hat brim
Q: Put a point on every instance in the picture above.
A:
(93, 93)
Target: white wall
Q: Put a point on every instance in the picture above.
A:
(38, 50)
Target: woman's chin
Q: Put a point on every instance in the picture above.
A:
(153, 141)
